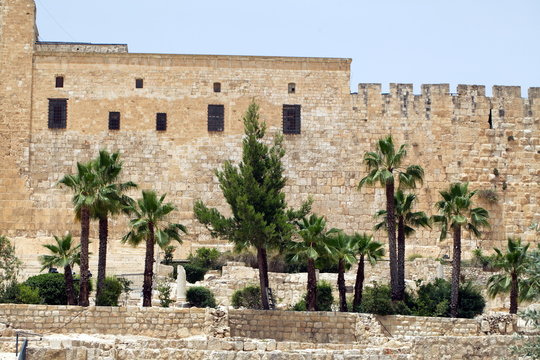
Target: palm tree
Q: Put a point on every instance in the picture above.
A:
(341, 249)
(312, 244)
(514, 264)
(83, 184)
(407, 220)
(110, 200)
(150, 224)
(383, 165)
(66, 256)
(364, 246)
(456, 212)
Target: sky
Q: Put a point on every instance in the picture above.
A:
(390, 41)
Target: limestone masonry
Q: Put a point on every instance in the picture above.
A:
(175, 118)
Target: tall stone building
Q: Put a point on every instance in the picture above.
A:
(175, 118)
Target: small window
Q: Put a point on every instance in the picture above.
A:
(114, 120)
(291, 119)
(216, 117)
(292, 88)
(161, 121)
(217, 87)
(57, 113)
(59, 82)
(139, 83)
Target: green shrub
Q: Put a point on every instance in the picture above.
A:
(194, 273)
(10, 294)
(164, 289)
(206, 258)
(169, 253)
(28, 295)
(248, 297)
(433, 299)
(413, 257)
(199, 296)
(112, 288)
(377, 300)
(51, 288)
(325, 299)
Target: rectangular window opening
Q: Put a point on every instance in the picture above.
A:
(291, 119)
(217, 87)
(161, 121)
(216, 117)
(59, 82)
(139, 83)
(114, 120)
(292, 88)
(57, 113)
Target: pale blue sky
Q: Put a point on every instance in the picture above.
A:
(416, 41)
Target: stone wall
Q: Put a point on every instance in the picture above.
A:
(492, 142)
(154, 322)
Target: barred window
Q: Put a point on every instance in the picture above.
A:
(217, 87)
(59, 82)
(291, 119)
(292, 88)
(114, 120)
(139, 83)
(161, 121)
(57, 113)
(216, 117)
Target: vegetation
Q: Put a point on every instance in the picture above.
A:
(341, 248)
(254, 192)
(10, 265)
(150, 225)
(110, 294)
(201, 297)
(248, 297)
(377, 300)
(325, 299)
(63, 254)
(456, 213)
(194, 273)
(384, 164)
(206, 258)
(312, 245)
(513, 264)
(126, 288)
(365, 248)
(164, 289)
(406, 221)
(110, 200)
(51, 288)
(531, 347)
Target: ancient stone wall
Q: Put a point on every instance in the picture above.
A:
(492, 142)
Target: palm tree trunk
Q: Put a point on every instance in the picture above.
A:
(311, 286)
(102, 260)
(391, 226)
(456, 270)
(514, 293)
(341, 286)
(359, 284)
(263, 276)
(85, 233)
(148, 267)
(70, 292)
(401, 258)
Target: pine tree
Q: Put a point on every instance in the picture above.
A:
(254, 191)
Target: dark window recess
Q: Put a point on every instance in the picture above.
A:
(161, 121)
(139, 83)
(114, 120)
(291, 119)
(57, 113)
(490, 120)
(59, 82)
(216, 117)
(292, 88)
(217, 87)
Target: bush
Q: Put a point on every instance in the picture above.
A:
(377, 300)
(206, 258)
(51, 288)
(433, 299)
(325, 299)
(112, 288)
(28, 295)
(194, 273)
(10, 294)
(248, 297)
(164, 289)
(200, 296)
